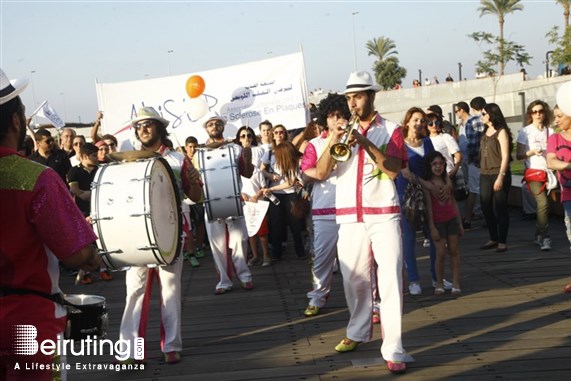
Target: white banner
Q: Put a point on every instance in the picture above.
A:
(274, 89)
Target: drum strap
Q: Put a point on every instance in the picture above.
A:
(57, 298)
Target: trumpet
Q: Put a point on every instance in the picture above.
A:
(341, 151)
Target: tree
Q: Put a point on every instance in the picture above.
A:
(381, 48)
(511, 52)
(386, 66)
(500, 8)
(562, 53)
(565, 4)
(388, 73)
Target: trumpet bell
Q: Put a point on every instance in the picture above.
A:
(340, 152)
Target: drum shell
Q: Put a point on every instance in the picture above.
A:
(136, 210)
(89, 318)
(221, 179)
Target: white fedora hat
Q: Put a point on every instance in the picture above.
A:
(10, 89)
(360, 81)
(149, 113)
(214, 116)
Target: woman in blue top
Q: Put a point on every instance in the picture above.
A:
(418, 145)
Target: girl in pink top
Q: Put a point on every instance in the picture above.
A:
(444, 222)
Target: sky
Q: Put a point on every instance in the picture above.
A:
(64, 47)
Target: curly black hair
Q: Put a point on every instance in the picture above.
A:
(333, 102)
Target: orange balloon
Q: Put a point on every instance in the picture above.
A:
(195, 86)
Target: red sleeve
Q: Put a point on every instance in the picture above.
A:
(309, 159)
(396, 147)
(58, 220)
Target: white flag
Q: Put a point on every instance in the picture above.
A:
(48, 112)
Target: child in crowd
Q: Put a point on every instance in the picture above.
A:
(445, 223)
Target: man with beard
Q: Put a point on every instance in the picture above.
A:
(230, 232)
(369, 221)
(151, 131)
(40, 226)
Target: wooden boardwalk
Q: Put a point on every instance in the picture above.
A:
(513, 322)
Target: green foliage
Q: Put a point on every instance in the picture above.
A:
(381, 47)
(562, 53)
(493, 57)
(388, 73)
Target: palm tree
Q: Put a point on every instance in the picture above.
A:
(565, 4)
(500, 8)
(381, 48)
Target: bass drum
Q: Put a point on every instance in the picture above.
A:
(221, 180)
(136, 211)
(87, 317)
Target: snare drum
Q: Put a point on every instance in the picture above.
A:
(221, 180)
(89, 318)
(136, 210)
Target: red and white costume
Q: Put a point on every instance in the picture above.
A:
(325, 229)
(139, 280)
(368, 211)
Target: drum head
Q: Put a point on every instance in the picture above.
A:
(84, 300)
(165, 211)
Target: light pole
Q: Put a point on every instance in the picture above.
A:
(33, 94)
(459, 71)
(420, 76)
(169, 59)
(354, 42)
(547, 73)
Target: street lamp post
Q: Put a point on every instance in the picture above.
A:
(354, 42)
(547, 73)
(169, 59)
(459, 71)
(420, 76)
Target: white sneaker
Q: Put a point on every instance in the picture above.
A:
(414, 288)
(447, 285)
(545, 244)
(426, 243)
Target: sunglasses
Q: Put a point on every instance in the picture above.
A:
(537, 111)
(78, 144)
(49, 141)
(434, 123)
(246, 136)
(112, 145)
(144, 125)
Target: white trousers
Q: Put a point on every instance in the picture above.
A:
(325, 234)
(229, 234)
(139, 282)
(359, 245)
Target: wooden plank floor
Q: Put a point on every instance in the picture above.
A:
(513, 322)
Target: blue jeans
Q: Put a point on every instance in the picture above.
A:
(408, 246)
(567, 208)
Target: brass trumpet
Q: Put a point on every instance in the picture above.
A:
(341, 151)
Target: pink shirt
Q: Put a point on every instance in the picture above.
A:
(561, 147)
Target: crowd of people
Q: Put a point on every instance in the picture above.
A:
(398, 179)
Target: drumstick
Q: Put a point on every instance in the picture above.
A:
(79, 276)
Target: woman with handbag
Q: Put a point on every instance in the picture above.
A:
(418, 145)
(495, 176)
(285, 174)
(559, 159)
(531, 146)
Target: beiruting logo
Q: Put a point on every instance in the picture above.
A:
(25, 343)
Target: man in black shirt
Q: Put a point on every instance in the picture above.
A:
(48, 155)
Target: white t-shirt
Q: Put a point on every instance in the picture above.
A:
(447, 146)
(532, 138)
